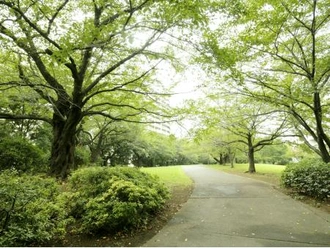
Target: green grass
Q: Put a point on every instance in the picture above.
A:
(260, 168)
(170, 175)
(265, 172)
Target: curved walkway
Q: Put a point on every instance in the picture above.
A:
(229, 210)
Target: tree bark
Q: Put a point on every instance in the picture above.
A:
(217, 160)
(321, 136)
(252, 168)
(232, 160)
(64, 143)
(96, 149)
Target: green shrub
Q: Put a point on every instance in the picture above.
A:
(29, 211)
(310, 177)
(113, 199)
(17, 153)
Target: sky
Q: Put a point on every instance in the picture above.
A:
(186, 89)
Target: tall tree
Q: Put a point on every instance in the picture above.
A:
(85, 58)
(278, 52)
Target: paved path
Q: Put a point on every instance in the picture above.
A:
(229, 210)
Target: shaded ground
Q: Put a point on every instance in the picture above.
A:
(180, 194)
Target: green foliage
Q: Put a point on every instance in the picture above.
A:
(17, 153)
(42, 137)
(81, 156)
(29, 210)
(112, 199)
(274, 154)
(309, 177)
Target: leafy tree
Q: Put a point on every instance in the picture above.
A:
(278, 52)
(218, 143)
(85, 58)
(253, 126)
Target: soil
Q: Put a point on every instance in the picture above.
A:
(179, 195)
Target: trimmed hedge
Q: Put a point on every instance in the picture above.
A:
(309, 177)
(29, 210)
(113, 199)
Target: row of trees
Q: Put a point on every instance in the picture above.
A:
(85, 67)
(112, 144)
(268, 63)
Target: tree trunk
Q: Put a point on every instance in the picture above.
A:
(217, 160)
(64, 143)
(96, 150)
(232, 160)
(221, 160)
(252, 168)
(322, 138)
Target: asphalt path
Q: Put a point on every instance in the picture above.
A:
(229, 210)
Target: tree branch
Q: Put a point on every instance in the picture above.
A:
(7, 116)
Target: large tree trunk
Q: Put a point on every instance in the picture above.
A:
(64, 143)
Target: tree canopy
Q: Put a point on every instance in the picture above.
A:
(71, 60)
(276, 52)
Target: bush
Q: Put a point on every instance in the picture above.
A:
(29, 212)
(113, 199)
(310, 177)
(17, 153)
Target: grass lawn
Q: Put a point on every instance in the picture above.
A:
(170, 175)
(265, 172)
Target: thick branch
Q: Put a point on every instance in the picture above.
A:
(7, 116)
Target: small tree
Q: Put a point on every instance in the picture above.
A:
(253, 126)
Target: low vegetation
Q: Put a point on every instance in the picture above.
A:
(20, 154)
(270, 173)
(35, 209)
(309, 177)
(113, 199)
(170, 175)
(30, 210)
